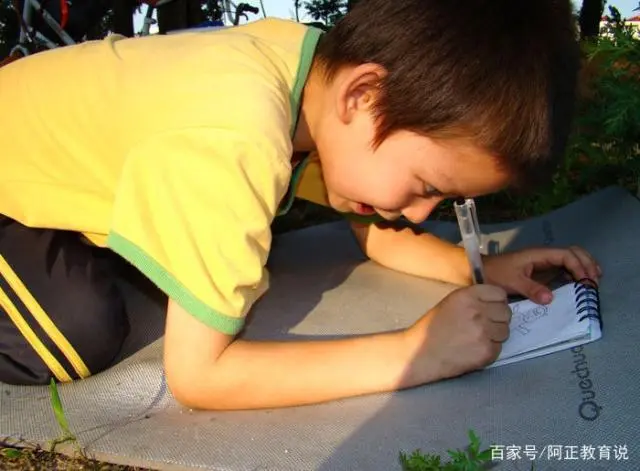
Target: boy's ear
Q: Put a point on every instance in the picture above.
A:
(357, 89)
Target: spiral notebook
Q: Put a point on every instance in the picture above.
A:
(573, 318)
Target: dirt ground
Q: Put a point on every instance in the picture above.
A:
(28, 459)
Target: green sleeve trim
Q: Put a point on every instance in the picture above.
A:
(307, 52)
(172, 287)
(287, 201)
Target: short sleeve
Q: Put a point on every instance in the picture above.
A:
(192, 212)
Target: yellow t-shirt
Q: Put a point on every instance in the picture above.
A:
(174, 151)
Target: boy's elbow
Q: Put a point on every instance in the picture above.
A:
(192, 353)
(184, 390)
(197, 386)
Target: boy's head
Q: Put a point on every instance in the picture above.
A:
(461, 97)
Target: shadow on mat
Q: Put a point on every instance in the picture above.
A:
(276, 313)
(273, 317)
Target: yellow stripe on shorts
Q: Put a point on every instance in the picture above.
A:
(43, 319)
(31, 337)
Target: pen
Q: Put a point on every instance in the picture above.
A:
(470, 232)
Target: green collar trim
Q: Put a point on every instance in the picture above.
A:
(287, 201)
(307, 52)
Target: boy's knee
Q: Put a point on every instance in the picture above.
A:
(76, 332)
(95, 325)
(78, 335)
(62, 314)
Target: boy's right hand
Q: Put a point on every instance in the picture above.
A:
(207, 369)
(464, 332)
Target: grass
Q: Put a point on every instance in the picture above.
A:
(470, 459)
(21, 455)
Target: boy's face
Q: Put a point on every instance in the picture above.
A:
(407, 174)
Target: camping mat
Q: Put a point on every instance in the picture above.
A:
(553, 411)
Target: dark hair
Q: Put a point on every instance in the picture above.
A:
(501, 73)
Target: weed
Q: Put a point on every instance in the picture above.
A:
(471, 459)
(11, 453)
(61, 418)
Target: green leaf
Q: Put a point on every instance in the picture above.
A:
(485, 455)
(59, 411)
(11, 453)
(418, 461)
(475, 442)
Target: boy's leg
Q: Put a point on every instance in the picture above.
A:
(61, 314)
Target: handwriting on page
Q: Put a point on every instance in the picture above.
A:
(522, 320)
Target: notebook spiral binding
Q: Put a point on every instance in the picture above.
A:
(588, 300)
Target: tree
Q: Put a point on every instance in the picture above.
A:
(590, 16)
(326, 11)
(296, 9)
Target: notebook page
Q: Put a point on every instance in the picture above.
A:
(556, 347)
(534, 326)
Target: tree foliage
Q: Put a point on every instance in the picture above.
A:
(590, 15)
(326, 11)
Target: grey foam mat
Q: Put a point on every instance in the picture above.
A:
(323, 287)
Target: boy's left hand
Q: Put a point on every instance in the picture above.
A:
(518, 272)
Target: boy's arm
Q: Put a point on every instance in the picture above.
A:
(207, 369)
(402, 248)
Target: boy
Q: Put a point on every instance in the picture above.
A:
(177, 152)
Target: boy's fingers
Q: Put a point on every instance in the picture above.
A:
(567, 259)
(590, 266)
(500, 316)
(533, 290)
(499, 331)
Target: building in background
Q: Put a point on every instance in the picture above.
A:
(633, 22)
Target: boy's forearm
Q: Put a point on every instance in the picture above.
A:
(281, 374)
(407, 250)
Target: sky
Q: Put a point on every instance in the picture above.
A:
(284, 9)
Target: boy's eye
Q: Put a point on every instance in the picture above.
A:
(430, 192)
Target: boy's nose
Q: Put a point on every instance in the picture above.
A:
(420, 210)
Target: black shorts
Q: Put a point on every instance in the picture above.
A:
(62, 315)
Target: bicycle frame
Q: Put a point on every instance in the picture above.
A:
(230, 11)
(237, 10)
(28, 34)
(148, 17)
(31, 6)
